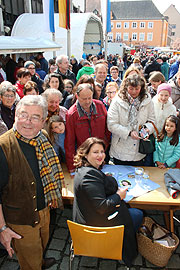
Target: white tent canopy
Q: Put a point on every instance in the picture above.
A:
(86, 32)
(11, 45)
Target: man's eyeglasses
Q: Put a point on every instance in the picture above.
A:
(33, 118)
(9, 96)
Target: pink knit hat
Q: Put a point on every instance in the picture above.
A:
(164, 86)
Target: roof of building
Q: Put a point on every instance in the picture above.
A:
(135, 10)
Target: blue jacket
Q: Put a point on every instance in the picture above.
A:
(167, 153)
(173, 69)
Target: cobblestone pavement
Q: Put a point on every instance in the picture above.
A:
(58, 247)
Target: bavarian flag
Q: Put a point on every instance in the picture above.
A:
(64, 13)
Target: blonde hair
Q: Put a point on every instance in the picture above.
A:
(112, 84)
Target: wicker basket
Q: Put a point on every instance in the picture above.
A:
(154, 252)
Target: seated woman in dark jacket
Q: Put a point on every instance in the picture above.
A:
(97, 199)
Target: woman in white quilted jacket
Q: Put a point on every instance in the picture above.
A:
(129, 110)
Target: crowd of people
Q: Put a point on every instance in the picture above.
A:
(84, 114)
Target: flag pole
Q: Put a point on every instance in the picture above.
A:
(69, 9)
(69, 43)
(105, 34)
(54, 39)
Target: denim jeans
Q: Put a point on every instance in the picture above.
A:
(137, 217)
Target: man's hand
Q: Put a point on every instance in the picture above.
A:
(5, 239)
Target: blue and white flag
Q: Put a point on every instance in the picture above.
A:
(48, 10)
(106, 15)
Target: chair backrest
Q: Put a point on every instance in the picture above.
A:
(178, 164)
(101, 242)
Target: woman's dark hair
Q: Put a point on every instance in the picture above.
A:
(23, 72)
(133, 80)
(175, 136)
(55, 75)
(52, 119)
(83, 150)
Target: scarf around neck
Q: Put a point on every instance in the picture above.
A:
(133, 111)
(49, 167)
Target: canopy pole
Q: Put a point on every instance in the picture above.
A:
(69, 43)
(53, 39)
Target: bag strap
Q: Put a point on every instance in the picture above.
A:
(155, 128)
(166, 234)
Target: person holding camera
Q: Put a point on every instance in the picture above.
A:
(129, 110)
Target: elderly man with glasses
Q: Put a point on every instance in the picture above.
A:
(30, 183)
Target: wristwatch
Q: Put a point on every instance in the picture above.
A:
(3, 228)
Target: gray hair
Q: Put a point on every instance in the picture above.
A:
(7, 87)
(83, 86)
(51, 91)
(33, 100)
(60, 58)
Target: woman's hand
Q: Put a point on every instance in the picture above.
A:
(135, 135)
(122, 192)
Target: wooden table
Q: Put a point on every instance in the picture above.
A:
(158, 199)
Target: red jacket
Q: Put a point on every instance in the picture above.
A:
(79, 128)
(19, 89)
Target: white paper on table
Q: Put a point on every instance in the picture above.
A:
(137, 191)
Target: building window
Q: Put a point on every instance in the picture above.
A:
(110, 37)
(134, 36)
(112, 25)
(118, 25)
(173, 26)
(118, 36)
(142, 24)
(141, 36)
(134, 24)
(126, 25)
(126, 36)
(149, 36)
(150, 25)
(172, 33)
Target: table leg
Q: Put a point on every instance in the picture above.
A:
(171, 220)
(167, 219)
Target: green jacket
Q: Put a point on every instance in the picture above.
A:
(85, 70)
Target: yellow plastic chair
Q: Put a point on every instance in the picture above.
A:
(101, 242)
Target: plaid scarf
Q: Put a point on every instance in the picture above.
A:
(50, 170)
(133, 112)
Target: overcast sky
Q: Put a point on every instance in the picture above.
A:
(162, 5)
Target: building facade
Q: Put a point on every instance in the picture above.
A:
(174, 21)
(138, 24)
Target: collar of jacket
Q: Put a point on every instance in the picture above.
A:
(125, 104)
(80, 111)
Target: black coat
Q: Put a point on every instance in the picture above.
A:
(95, 199)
